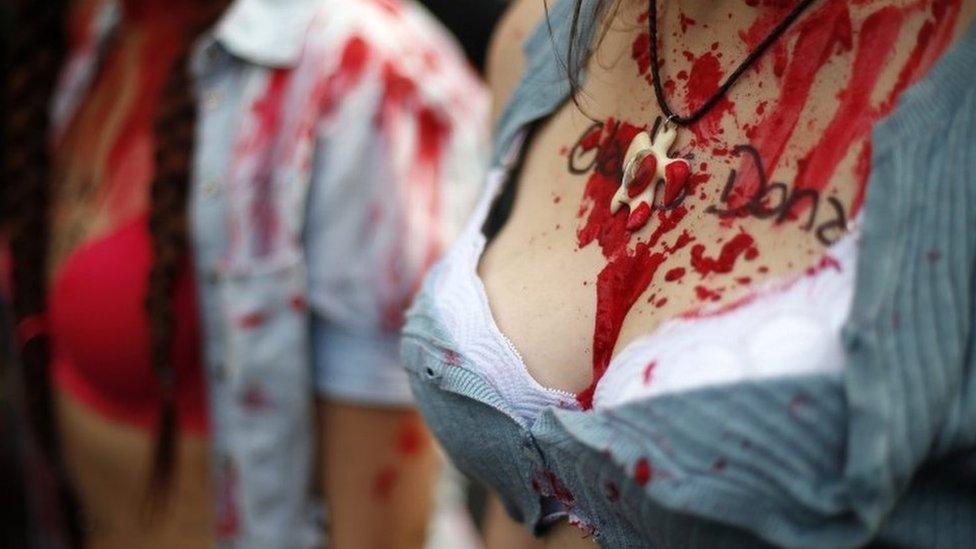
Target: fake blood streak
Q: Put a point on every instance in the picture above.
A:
(629, 270)
(267, 115)
(403, 105)
(822, 35)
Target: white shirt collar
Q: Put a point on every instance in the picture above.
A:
(266, 32)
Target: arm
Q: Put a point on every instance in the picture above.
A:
(395, 157)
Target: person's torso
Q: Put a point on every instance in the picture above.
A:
(564, 274)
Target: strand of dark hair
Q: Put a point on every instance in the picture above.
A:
(32, 70)
(38, 50)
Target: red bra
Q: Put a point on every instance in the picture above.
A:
(100, 332)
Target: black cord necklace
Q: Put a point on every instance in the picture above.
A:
(754, 55)
(647, 159)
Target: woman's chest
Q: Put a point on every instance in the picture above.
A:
(572, 279)
(777, 170)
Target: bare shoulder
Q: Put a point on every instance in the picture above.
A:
(505, 60)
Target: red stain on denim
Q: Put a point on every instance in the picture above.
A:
(252, 320)
(643, 472)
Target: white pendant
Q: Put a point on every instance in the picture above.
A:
(646, 163)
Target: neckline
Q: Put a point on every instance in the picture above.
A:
(480, 244)
(496, 332)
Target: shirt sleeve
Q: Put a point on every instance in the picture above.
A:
(398, 161)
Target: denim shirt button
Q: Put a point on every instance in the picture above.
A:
(212, 99)
(529, 449)
(212, 187)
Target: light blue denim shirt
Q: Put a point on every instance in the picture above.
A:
(884, 454)
(338, 145)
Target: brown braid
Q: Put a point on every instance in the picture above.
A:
(174, 132)
(32, 76)
(38, 50)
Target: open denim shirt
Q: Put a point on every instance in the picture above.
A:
(884, 454)
(336, 153)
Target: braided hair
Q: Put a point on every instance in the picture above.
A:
(37, 51)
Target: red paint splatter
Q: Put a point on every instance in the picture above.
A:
(452, 357)
(228, 523)
(826, 262)
(704, 294)
(548, 484)
(725, 262)
(720, 465)
(704, 80)
(854, 117)
(298, 303)
(641, 54)
(251, 320)
(410, 438)
(643, 472)
(685, 22)
(629, 269)
(797, 403)
(255, 399)
(266, 113)
(649, 372)
(683, 240)
(384, 482)
(674, 274)
(821, 35)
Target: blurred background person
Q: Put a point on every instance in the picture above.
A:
(217, 211)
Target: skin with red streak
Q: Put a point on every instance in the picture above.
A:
(384, 482)
(410, 438)
(820, 36)
(823, 33)
(725, 262)
(629, 270)
(674, 274)
(705, 77)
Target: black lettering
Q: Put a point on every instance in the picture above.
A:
(837, 226)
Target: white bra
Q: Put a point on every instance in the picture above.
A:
(787, 327)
